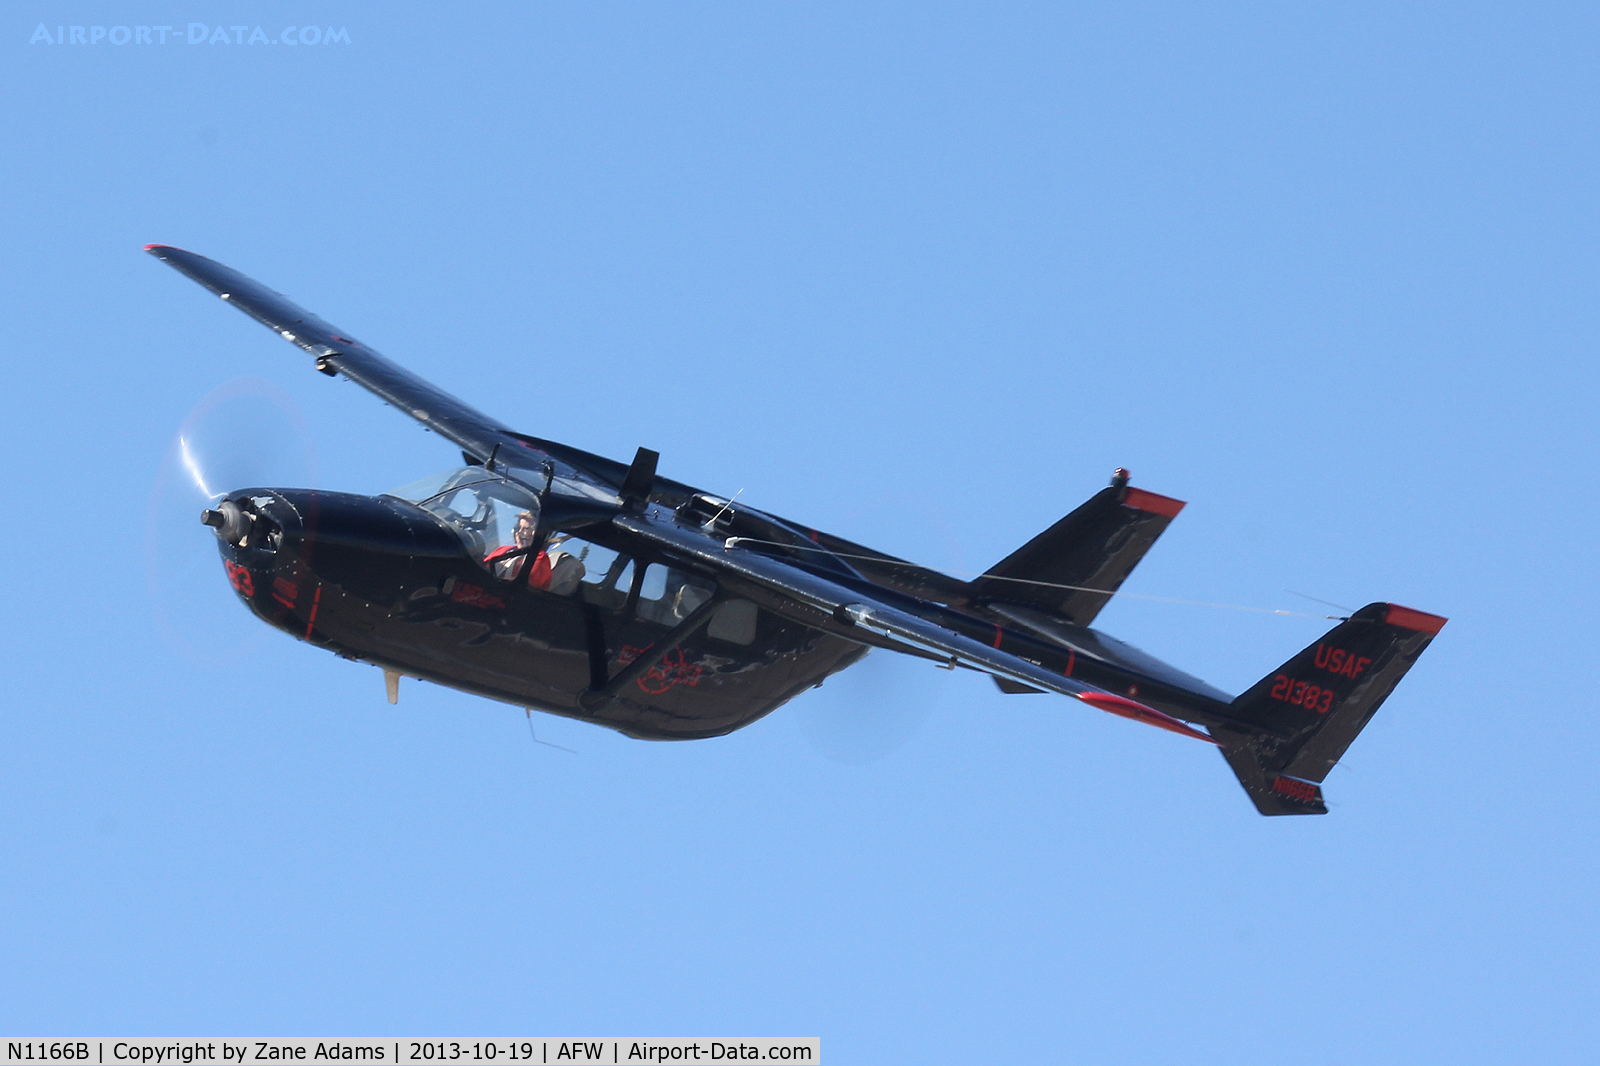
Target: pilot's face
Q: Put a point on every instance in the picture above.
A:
(524, 533)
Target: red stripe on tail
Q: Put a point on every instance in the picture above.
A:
(1140, 500)
(1406, 618)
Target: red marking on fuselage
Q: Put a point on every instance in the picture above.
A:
(1121, 705)
(673, 669)
(285, 591)
(997, 637)
(239, 577)
(316, 601)
(475, 596)
(1140, 500)
(1072, 660)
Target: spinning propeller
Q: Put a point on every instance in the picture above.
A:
(245, 433)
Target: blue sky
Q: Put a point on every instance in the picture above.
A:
(918, 274)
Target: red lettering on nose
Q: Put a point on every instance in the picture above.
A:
(239, 578)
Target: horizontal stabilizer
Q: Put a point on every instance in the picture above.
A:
(1015, 688)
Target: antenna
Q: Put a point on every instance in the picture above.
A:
(712, 521)
(529, 712)
(1314, 599)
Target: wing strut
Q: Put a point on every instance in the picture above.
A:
(595, 698)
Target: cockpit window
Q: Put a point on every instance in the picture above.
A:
(434, 484)
(480, 506)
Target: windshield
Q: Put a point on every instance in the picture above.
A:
(482, 508)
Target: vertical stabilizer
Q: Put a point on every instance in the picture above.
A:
(1073, 568)
(1309, 710)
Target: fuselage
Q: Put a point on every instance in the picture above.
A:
(382, 580)
(410, 585)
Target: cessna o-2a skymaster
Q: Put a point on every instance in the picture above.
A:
(554, 579)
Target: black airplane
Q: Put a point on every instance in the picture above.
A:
(553, 579)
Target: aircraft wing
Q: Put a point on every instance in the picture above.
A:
(337, 352)
(823, 604)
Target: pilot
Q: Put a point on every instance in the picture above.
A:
(551, 569)
(536, 569)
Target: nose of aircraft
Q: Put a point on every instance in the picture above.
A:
(264, 520)
(286, 550)
(343, 537)
(251, 527)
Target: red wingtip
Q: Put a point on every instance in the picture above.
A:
(1122, 705)
(1406, 618)
(1140, 500)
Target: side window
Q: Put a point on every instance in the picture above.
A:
(668, 595)
(734, 622)
(607, 576)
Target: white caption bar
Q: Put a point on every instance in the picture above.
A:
(396, 1052)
